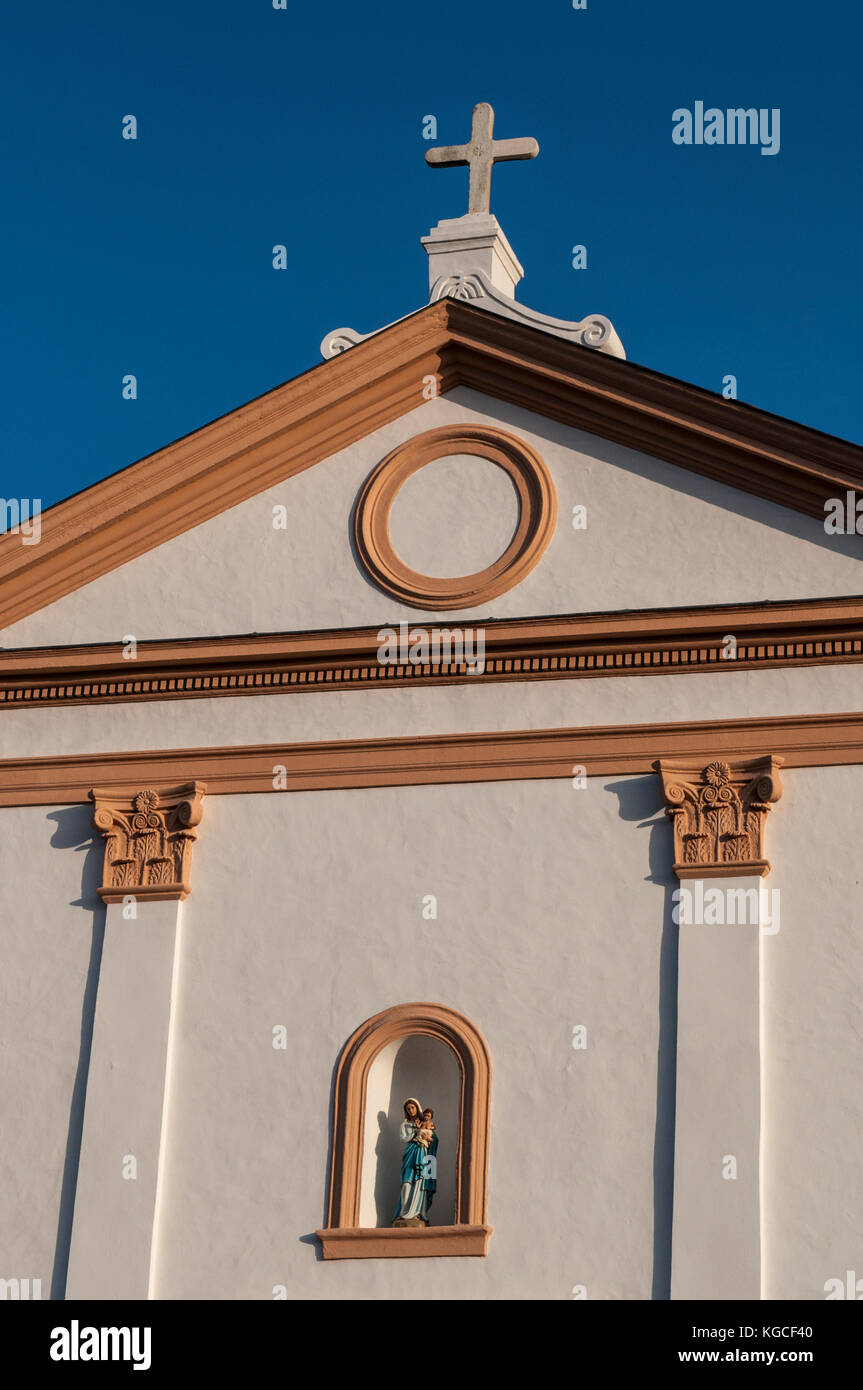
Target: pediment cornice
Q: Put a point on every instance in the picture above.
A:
(341, 401)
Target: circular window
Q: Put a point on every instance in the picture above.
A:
(537, 514)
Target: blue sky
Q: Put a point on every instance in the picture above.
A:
(303, 126)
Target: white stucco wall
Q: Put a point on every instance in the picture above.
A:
(553, 910)
(530, 940)
(554, 904)
(51, 925)
(812, 1028)
(236, 574)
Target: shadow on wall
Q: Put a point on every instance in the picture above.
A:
(75, 831)
(640, 799)
(427, 1069)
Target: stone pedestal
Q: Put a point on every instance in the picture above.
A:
(464, 245)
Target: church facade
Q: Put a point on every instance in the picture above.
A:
(473, 720)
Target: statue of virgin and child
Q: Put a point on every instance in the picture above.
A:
(419, 1165)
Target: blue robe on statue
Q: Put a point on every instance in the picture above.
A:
(418, 1175)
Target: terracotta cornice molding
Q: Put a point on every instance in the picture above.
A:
(148, 841)
(718, 811)
(235, 457)
(730, 441)
(811, 740)
(343, 1238)
(812, 632)
(342, 400)
(537, 516)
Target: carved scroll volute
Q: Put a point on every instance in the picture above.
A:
(718, 812)
(148, 841)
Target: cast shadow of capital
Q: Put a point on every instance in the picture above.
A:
(640, 801)
(74, 832)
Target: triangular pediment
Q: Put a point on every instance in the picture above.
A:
(324, 412)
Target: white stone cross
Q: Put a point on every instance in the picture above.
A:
(481, 152)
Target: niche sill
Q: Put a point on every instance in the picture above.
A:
(388, 1243)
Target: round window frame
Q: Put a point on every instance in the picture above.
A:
(537, 517)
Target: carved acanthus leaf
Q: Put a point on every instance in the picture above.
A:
(718, 812)
(148, 840)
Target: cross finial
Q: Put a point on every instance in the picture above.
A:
(481, 152)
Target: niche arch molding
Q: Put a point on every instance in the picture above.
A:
(344, 1238)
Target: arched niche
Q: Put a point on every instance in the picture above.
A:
(413, 1066)
(427, 1041)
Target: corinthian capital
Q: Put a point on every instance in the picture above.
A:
(148, 841)
(718, 811)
